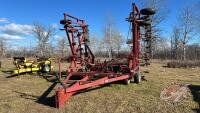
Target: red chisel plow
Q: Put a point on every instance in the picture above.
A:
(83, 73)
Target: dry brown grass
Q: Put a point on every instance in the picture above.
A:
(20, 94)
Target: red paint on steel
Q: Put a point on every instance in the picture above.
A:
(83, 59)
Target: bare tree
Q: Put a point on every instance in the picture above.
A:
(162, 50)
(49, 49)
(2, 46)
(118, 41)
(187, 26)
(113, 39)
(62, 43)
(43, 34)
(196, 11)
(24, 51)
(175, 42)
(94, 43)
(193, 51)
(109, 34)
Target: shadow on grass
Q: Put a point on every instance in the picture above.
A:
(195, 91)
(9, 74)
(91, 89)
(43, 99)
(100, 86)
(165, 66)
(49, 77)
(50, 101)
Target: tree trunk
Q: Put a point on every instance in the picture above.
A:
(110, 53)
(184, 52)
(41, 53)
(41, 50)
(63, 53)
(118, 51)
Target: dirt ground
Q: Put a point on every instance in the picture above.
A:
(35, 94)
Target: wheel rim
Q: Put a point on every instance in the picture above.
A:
(47, 68)
(139, 78)
(127, 81)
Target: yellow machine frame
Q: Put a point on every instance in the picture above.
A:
(30, 66)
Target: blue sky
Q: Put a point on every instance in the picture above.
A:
(25, 12)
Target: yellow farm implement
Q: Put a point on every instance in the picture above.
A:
(42, 65)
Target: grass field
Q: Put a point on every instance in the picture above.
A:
(28, 94)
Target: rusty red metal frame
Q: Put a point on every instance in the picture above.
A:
(77, 34)
(83, 72)
(134, 54)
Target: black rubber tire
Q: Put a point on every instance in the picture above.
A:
(46, 68)
(137, 78)
(148, 11)
(127, 81)
(144, 23)
(63, 22)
